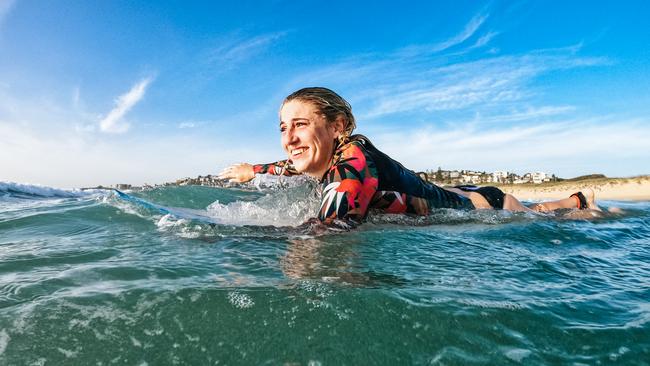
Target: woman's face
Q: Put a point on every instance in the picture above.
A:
(307, 137)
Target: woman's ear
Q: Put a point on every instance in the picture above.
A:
(339, 126)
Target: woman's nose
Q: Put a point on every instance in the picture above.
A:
(291, 135)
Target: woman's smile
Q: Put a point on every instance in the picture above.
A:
(297, 152)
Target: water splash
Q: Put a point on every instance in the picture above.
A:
(279, 207)
(38, 191)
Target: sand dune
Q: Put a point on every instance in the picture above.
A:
(626, 189)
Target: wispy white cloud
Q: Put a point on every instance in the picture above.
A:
(76, 160)
(221, 57)
(470, 29)
(469, 80)
(113, 122)
(484, 82)
(76, 97)
(528, 114)
(237, 50)
(485, 39)
(5, 8)
(568, 147)
(76, 157)
(186, 125)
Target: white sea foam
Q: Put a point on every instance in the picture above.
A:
(135, 342)
(68, 353)
(274, 181)
(239, 300)
(288, 207)
(181, 227)
(23, 200)
(168, 221)
(517, 354)
(483, 303)
(4, 341)
(40, 191)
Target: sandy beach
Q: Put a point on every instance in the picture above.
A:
(624, 189)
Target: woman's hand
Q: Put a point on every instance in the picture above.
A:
(238, 173)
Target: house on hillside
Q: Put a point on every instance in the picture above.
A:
(539, 177)
(500, 176)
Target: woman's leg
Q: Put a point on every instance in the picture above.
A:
(511, 203)
(555, 205)
(570, 202)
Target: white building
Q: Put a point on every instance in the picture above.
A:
(500, 176)
(471, 178)
(538, 177)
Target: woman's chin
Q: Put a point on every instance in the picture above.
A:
(305, 167)
(298, 166)
(304, 170)
(301, 166)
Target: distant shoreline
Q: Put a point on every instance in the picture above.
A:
(621, 189)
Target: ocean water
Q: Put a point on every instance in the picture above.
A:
(225, 276)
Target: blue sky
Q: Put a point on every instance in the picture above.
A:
(103, 92)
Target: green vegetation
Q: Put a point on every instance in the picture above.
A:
(586, 180)
(586, 177)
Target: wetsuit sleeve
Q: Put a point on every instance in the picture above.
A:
(282, 167)
(348, 188)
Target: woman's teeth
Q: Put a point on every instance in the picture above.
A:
(296, 152)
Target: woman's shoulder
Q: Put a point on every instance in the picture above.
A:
(352, 159)
(353, 149)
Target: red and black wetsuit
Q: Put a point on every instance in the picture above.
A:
(362, 177)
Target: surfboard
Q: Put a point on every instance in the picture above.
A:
(177, 212)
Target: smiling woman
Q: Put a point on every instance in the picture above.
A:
(307, 137)
(316, 127)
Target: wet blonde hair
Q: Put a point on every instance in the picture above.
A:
(330, 104)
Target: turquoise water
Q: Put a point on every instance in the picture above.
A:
(89, 278)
